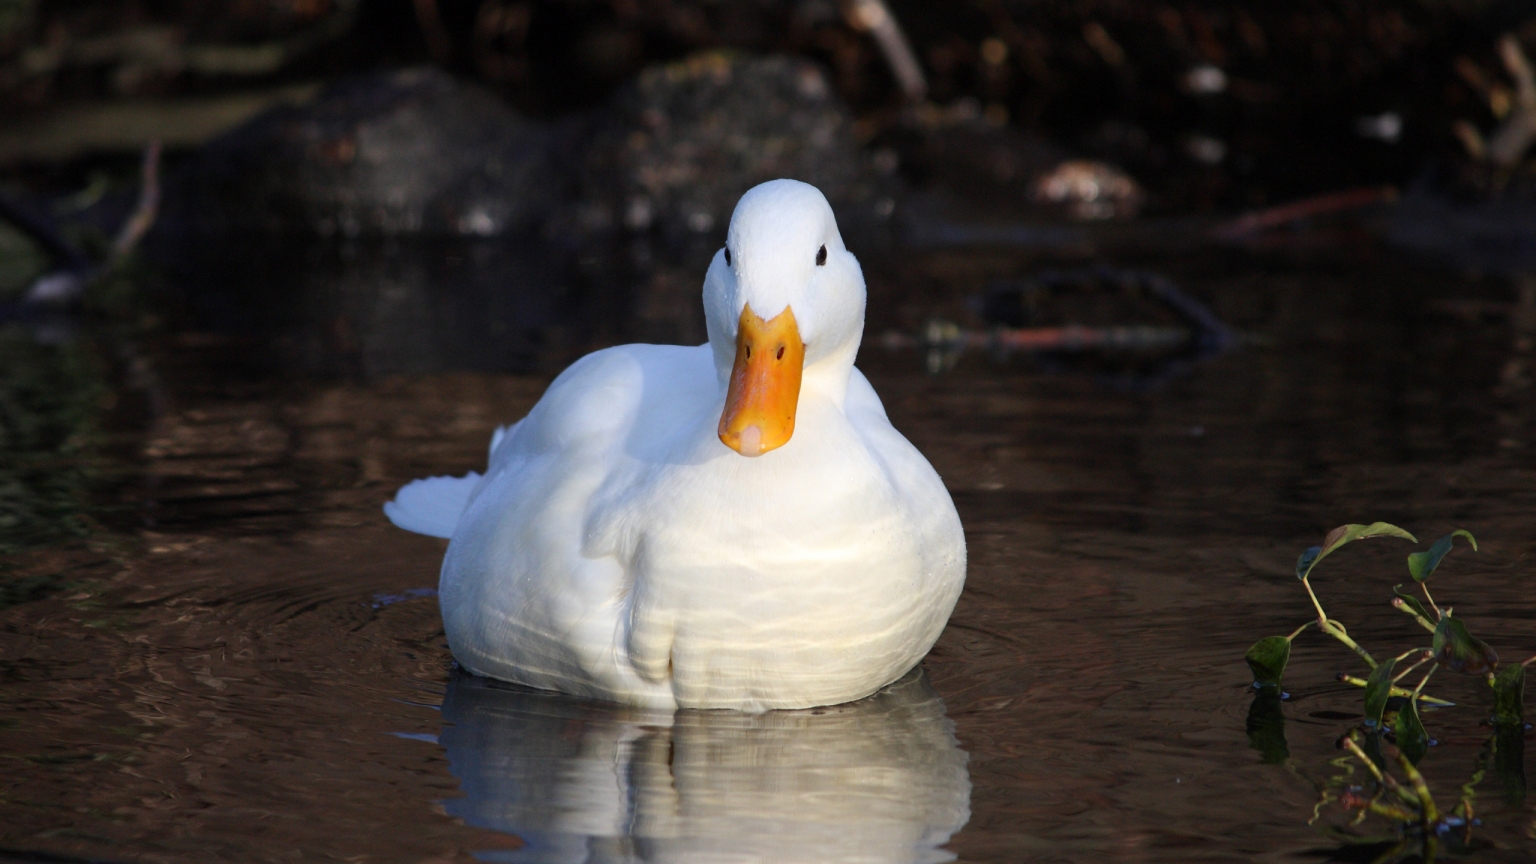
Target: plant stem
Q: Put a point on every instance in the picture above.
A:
(1349, 743)
(1334, 628)
(1428, 812)
(1425, 680)
(1297, 631)
(1386, 780)
(1322, 617)
(1337, 631)
(1400, 691)
(1424, 586)
(1404, 607)
(1396, 814)
(1422, 660)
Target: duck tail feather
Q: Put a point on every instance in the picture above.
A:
(432, 506)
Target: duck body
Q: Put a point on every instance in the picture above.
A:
(616, 548)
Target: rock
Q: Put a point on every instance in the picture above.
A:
(679, 145)
(587, 230)
(685, 140)
(409, 152)
(419, 152)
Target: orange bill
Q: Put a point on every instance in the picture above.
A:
(765, 384)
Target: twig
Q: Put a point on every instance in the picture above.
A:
(145, 211)
(875, 18)
(1507, 145)
(66, 284)
(1068, 338)
(1273, 217)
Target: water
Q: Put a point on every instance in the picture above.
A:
(244, 662)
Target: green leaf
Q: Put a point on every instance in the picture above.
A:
(1412, 602)
(1342, 535)
(1266, 727)
(1378, 688)
(1307, 559)
(1422, 564)
(1409, 731)
(1509, 696)
(1267, 659)
(1458, 651)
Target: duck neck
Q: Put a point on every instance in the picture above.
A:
(828, 375)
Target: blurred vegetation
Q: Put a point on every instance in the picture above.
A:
(59, 381)
(20, 263)
(52, 398)
(1213, 103)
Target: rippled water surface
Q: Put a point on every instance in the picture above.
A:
(245, 661)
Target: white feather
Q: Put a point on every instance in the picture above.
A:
(617, 549)
(432, 506)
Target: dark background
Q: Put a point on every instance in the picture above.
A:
(1100, 79)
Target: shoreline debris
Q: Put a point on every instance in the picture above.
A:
(1201, 335)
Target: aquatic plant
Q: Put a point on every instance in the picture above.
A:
(51, 398)
(1391, 739)
(70, 313)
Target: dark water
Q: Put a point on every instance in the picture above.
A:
(244, 662)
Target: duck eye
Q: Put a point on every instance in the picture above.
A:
(727, 256)
(821, 256)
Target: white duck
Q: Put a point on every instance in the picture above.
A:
(733, 525)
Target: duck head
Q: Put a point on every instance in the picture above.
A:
(784, 306)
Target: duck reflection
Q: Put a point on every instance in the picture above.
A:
(878, 780)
